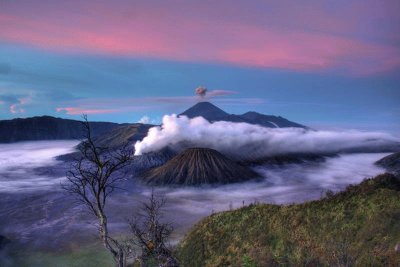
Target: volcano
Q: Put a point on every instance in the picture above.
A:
(197, 166)
(213, 113)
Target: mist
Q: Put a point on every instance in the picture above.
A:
(20, 165)
(39, 217)
(248, 141)
(291, 183)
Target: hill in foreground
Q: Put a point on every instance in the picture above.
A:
(196, 166)
(357, 227)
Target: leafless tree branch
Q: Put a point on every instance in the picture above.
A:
(150, 234)
(92, 179)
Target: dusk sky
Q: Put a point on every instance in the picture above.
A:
(326, 64)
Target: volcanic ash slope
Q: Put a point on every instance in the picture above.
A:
(196, 166)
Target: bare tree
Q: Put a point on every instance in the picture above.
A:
(93, 177)
(150, 234)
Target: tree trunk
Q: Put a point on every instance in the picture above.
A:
(119, 256)
(142, 262)
(104, 234)
(121, 259)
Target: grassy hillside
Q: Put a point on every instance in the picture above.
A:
(357, 227)
(87, 255)
(123, 135)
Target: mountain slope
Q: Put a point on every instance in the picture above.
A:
(269, 120)
(123, 135)
(196, 166)
(391, 163)
(116, 138)
(48, 128)
(357, 227)
(212, 113)
(151, 160)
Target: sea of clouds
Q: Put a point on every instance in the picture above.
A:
(18, 162)
(37, 212)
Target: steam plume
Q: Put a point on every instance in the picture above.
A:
(247, 141)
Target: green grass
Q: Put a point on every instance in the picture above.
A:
(90, 256)
(357, 227)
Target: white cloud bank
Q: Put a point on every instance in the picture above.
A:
(244, 140)
(18, 161)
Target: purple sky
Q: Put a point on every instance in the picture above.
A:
(126, 57)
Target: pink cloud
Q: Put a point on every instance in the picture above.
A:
(258, 34)
(313, 52)
(80, 111)
(13, 108)
(120, 105)
(18, 107)
(220, 92)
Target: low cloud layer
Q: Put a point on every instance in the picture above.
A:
(246, 141)
(18, 161)
(52, 219)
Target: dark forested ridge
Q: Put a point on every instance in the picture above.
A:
(48, 128)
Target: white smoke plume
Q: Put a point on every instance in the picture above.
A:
(204, 93)
(145, 119)
(247, 141)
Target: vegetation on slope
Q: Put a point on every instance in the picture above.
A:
(357, 227)
(123, 135)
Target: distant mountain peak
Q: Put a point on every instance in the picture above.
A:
(213, 113)
(205, 106)
(206, 110)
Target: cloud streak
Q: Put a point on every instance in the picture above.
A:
(132, 104)
(317, 40)
(15, 104)
(80, 111)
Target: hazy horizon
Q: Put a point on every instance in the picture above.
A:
(392, 129)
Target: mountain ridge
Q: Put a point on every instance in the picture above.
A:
(48, 128)
(116, 134)
(213, 113)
